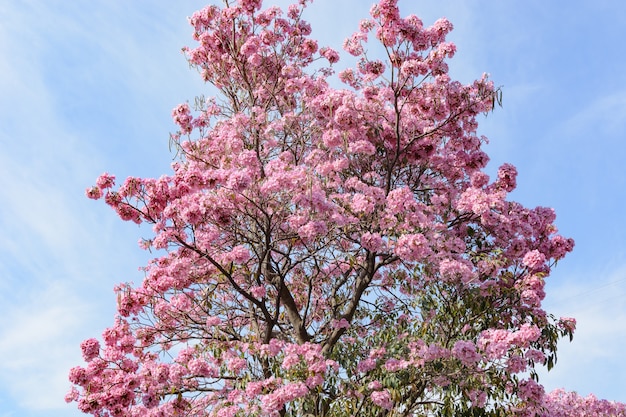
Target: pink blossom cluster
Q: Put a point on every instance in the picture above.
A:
(466, 352)
(560, 403)
(496, 343)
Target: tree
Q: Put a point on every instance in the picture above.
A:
(325, 251)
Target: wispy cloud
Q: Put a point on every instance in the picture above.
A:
(38, 343)
(605, 116)
(591, 363)
(60, 254)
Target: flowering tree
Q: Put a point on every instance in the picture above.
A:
(324, 251)
(559, 403)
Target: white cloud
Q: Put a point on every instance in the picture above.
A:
(593, 362)
(60, 254)
(38, 344)
(605, 115)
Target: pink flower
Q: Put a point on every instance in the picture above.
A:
(516, 364)
(353, 46)
(479, 179)
(494, 342)
(90, 349)
(374, 385)
(536, 356)
(293, 11)
(366, 365)
(478, 398)
(72, 395)
(412, 247)
(93, 192)
(236, 365)
(348, 76)
(251, 6)
(294, 390)
(559, 246)
(275, 346)
(372, 241)
(258, 291)
(567, 323)
(290, 360)
(530, 390)
(254, 388)
(271, 403)
(340, 324)
(362, 147)
(200, 367)
(213, 321)
(507, 175)
(382, 399)
(534, 260)
(394, 365)
(330, 54)
(531, 298)
(182, 117)
(314, 381)
(478, 201)
(312, 230)
(240, 254)
(250, 46)
(78, 376)
(332, 138)
(460, 269)
(362, 204)
(105, 180)
(413, 68)
(527, 334)
(371, 68)
(465, 351)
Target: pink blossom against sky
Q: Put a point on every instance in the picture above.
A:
(89, 87)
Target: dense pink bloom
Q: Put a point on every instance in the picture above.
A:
(372, 241)
(341, 324)
(412, 247)
(94, 193)
(394, 365)
(330, 54)
(478, 201)
(534, 259)
(382, 399)
(466, 352)
(559, 246)
(525, 335)
(495, 343)
(105, 180)
(536, 356)
(453, 269)
(366, 365)
(258, 291)
(90, 349)
(507, 175)
(560, 403)
(78, 376)
(239, 254)
(182, 117)
(531, 390)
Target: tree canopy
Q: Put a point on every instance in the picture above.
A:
(330, 251)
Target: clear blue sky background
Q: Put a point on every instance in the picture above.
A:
(88, 87)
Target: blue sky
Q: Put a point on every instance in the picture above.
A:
(88, 87)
